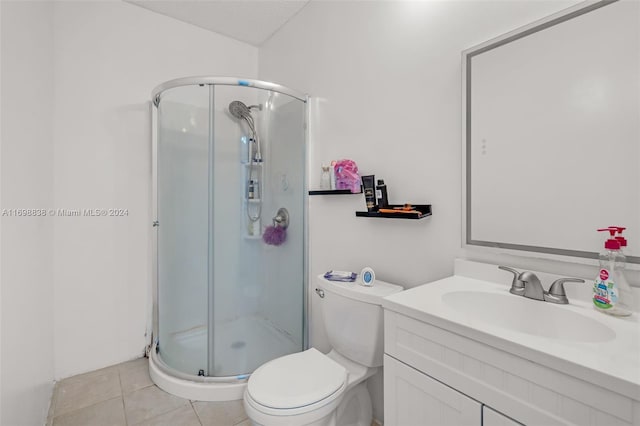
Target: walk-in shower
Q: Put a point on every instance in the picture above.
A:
(229, 157)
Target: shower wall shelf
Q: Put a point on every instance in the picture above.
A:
(252, 171)
(333, 192)
(423, 210)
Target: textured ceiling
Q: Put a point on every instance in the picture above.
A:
(251, 21)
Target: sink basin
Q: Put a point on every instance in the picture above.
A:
(517, 313)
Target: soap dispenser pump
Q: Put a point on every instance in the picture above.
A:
(620, 238)
(611, 292)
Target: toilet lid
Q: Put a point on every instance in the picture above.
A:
(296, 380)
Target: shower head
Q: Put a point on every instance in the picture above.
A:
(243, 112)
(239, 110)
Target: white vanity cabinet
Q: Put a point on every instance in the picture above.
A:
(502, 359)
(413, 398)
(491, 417)
(433, 376)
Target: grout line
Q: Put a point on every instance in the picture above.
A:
(124, 411)
(124, 408)
(120, 382)
(195, 411)
(84, 408)
(103, 371)
(136, 389)
(226, 409)
(160, 415)
(146, 367)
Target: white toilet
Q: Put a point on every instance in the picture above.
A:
(311, 388)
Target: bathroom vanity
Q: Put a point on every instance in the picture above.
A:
(464, 351)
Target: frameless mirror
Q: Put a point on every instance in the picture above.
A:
(552, 133)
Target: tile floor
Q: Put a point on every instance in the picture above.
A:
(123, 395)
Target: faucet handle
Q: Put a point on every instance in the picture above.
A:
(556, 292)
(517, 286)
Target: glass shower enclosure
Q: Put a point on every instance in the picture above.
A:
(230, 160)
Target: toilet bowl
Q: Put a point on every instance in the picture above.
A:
(309, 388)
(314, 389)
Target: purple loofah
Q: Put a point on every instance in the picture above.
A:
(274, 235)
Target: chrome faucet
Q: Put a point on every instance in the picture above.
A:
(527, 284)
(532, 286)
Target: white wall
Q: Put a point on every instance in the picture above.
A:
(108, 57)
(386, 84)
(26, 183)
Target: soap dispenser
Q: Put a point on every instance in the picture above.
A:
(611, 292)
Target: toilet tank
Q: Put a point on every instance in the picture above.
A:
(353, 318)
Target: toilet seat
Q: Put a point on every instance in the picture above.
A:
(296, 383)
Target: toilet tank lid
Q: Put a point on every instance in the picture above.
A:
(373, 294)
(296, 380)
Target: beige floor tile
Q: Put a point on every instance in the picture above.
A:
(246, 422)
(235, 409)
(220, 413)
(133, 364)
(150, 402)
(84, 390)
(106, 413)
(184, 416)
(134, 375)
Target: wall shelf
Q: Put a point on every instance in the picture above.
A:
(423, 210)
(333, 192)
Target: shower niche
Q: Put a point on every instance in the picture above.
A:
(226, 302)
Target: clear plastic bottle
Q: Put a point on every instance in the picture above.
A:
(325, 177)
(611, 291)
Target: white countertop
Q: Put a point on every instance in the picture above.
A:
(614, 365)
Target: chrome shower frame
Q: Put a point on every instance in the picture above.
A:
(203, 387)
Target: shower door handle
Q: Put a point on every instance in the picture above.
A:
(320, 293)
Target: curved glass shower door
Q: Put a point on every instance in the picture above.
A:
(228, 301)
(182, 196)
(258, 288)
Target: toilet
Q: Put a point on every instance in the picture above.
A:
(314, 389)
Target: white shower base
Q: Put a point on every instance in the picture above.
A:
(241, 346)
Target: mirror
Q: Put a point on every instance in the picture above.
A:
(552, 133)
